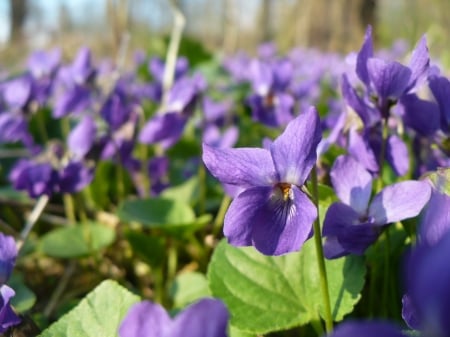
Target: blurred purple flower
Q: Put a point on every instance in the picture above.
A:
(35, 178)
(8, 255)
(82, 138)
(44, 64)
(167, 127)
(272, 213)
(8, 317)
(156, 67)
(366, 329)
(353, 224)
(427, 303)
(205, 318)
(270, 103)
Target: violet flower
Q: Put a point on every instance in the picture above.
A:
(8, 255)
(272, 213)
(271, 104)
(205, 318)
(354, 223)
(367, 329)
(427, 304)
(167, 127)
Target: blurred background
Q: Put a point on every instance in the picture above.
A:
(224, 26)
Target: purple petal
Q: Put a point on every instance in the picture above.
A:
(364, 54)
(8, 255)
(82, 137)
(81, 69)
(13, 127)
(429, 290)
(421, 115)
(352, 183)
(399, 201)
(390, 79)
(440, 87)
(239, 219)
(409, 313)
(282, 226)
(17, 92)
(145, 319)
(205, 318)
(8, 317)
(359, 148)
(345, 232)
(397, 155)
(435, 222)
(75, 100)
(42, 63)
(355, 102)
(419, 63)
(294, 151)
(366, 329)
(165, 129)
(74, 177)
(261, 77)
(241, 166)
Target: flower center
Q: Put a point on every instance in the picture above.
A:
(286, 190)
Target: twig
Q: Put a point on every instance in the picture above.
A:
(32, 219)
(63, 282)
(179, 21)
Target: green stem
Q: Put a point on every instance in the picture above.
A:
(202, 189)
(320, 256)
(172, 261)
(69, 207)
(385, 132)
(386, 276)
(218, 221)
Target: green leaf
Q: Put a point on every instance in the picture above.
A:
(99, 314)
(187, 288)
(185, 191)
(77, 241)
(267, 293)
(173, 216)
(150, 249)
(24, 298)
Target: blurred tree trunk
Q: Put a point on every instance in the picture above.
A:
(336, 25)
(265, 21)
(19, 11)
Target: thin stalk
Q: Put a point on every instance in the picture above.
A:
(386, 276)
(380, 183)
(202, 189)
(172, 261)
(32, 219)
(62, 285)
(218, 221)
(69, 207)
(320, 256)
(179, 22)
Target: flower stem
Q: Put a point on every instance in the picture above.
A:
(320, 256)
(218, 221)
(32, 219)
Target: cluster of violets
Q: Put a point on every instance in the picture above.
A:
(377, 107)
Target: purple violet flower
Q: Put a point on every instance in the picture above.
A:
(427, 304)
(8, 317)
(353, 224)
(366, 329)
(272, 213)
(205, 318)
(8, 255)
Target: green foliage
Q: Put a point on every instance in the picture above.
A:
(172, 216)
(98, 314)
(187, 288)
(265, 293)
(24, 298)
(77, 241)
(149, 249)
